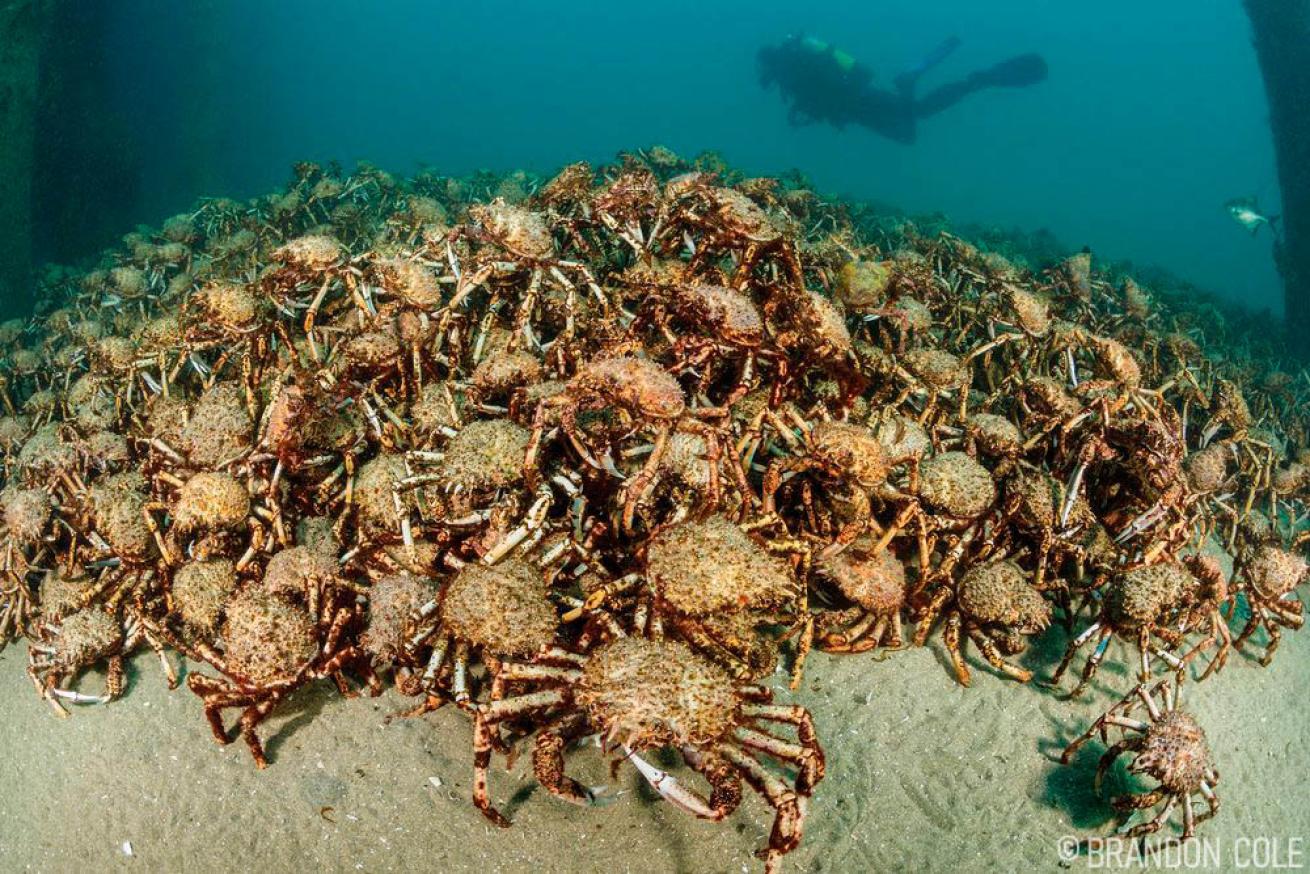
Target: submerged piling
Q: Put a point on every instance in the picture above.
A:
(1281, 32)
(20, 38)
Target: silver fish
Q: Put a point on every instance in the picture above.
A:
(1246, 212)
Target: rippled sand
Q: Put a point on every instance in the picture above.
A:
(923, 775)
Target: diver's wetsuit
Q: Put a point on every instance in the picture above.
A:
(824, 84)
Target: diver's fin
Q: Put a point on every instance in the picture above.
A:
(939, 54)
(906, 81)
(1016, 72)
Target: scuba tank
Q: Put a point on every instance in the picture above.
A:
(842, 61)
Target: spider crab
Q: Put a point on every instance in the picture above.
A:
(642, 695)
(1169, 746)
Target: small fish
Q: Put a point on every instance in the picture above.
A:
(1246, 212)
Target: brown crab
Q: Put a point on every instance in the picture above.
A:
(874, 584)
(636, 387)
(65, 648)
(1141, 604)
(494, 612)
(996, 606)
(643, 695)
(1271, 575)
(1168, 746)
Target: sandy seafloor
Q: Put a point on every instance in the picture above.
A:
(922, 775)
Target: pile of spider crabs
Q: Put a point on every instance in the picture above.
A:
(600, 455)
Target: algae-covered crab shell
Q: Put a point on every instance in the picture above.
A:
(663, 158)
(1142, 595)
(316, 533)
(1291, 479)
(862, 286)
(374, 493)
(741, 216)
(1049, 397)
(424, 212)
(1137, 301)
(686, 461)
(199, 592)
(824, 324)
(901, 437)
(219, 428)
(486, 454)
(1031, 313)
(1228, 407)
(728, 315)
(912, 314)
(656, 693)
(160, 333)
(1000, 593)
(849, 450)
(128, 281)
(636, 384)
(266, 640)
(957, 485)
(1175, 753)
(370, 352)
(113, 354)
(230, 305)
(936, 368)
(995, 435)
(437, 408)
(1114, 359)
(1035, 498)
(26, 512)
(874, 581)
(686, 184)
(1273, 571)
(299, 571)
(310, 252)
(105, 450)
(1077, 270)
(523, 231)
(392, 600)
(1207, 469)
(412, 283)
(13, 431)
(502, 608)
(571, 185)
(119, 504)
(85, 637)
(62, 592)
(500, 372)
(211, 502)
(91, 400)
(702, 568)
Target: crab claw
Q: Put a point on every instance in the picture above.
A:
(80, 697)
(670, 789)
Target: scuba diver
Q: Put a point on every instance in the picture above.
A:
(824, 84)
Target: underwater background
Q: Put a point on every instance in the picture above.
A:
(1152, 118)
(1153, 115)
